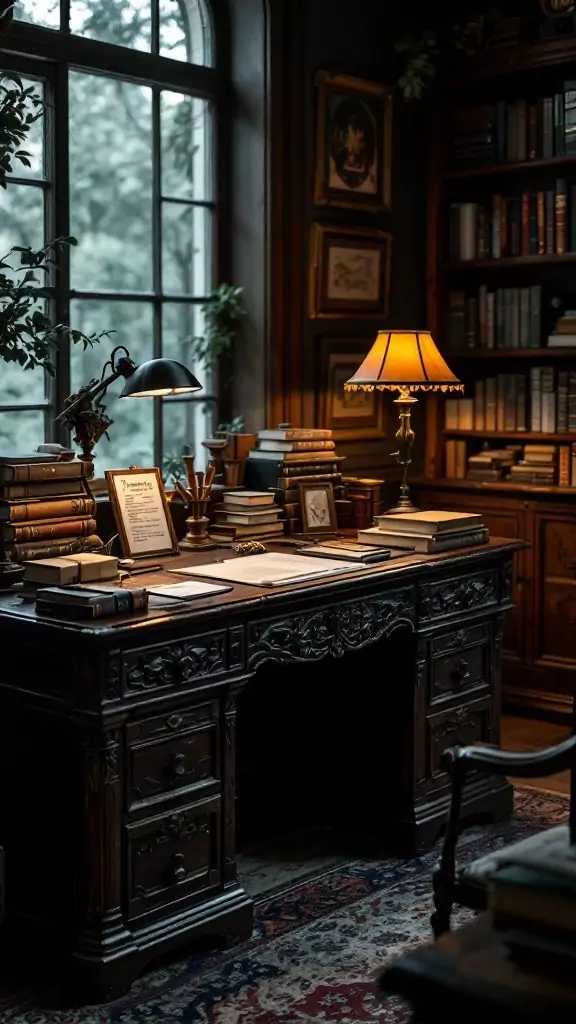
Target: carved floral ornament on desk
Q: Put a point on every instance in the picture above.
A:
(404, 361)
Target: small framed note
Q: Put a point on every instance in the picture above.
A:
(141, 512)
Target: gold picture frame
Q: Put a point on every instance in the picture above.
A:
(139, 505)
(353, 143)
(318, 508)
(350, 415)
(349, 272)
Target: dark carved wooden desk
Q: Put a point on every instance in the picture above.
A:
(117, 743)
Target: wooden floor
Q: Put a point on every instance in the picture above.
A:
(527, 734)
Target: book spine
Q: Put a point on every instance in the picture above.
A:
(490, 417)
(560, 215)
(287, 482)
(559, 148)
(48, 531)
(533, 224)
(313, 446)
(524, 341)
(471, 321)
(562, 417)
(522, 128)
(564, 458)
(305, 457)
(308, 468)
(541, 221)
(525, 223)
(548, 127)
(535, 316)
(496, 227)
(570, 118)
(29, 552)
(520, 401)
(548, 400)
(572, 402)
(532, 144)
(535, 401)
(500, 118)
(549, 219)
(452, 541)
(479, 406)
(511, 134)
(50, 489)
(73, 507)
(40, 472)
(468, 230)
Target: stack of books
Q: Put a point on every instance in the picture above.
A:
(288, 456)
(426, 532)
(532, 902)
(491, 464)
(564, 335)
(46, 508)
(538, 466)
(246, 515)
(365, 497)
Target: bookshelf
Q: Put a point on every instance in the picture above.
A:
(501, 255)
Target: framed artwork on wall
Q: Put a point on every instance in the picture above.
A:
(349, 272)
(353, 143)
(351, 415)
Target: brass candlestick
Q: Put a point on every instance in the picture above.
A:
(197, 499)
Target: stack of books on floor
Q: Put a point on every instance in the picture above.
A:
(246, 515)
(532, 902)
(538, 465)
(46, 508)
(426, 532)
(288, 456)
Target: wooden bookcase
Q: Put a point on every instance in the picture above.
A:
(540, 640)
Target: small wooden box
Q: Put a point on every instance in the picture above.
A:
(84, 567)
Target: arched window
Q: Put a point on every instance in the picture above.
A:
(124, 160)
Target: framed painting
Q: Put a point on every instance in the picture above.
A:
(349, 272)
(351, 415)
(318, 508)
(353, 143)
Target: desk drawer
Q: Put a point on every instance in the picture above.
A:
(172, 752)
(460, 726)
(461, 661)
(173, 856)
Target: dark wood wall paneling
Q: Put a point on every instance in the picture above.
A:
(277, 370)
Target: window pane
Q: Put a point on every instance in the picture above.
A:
(21, 431)
(185, 138)
(182, 321)
(33, 144)
(110, 183)
(39, 12)
(184, 31)
(186, 249)
(132, 435)
(21, 387)
(21, 223)
(123, 22)
(186, 425)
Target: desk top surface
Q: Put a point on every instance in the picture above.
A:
(14, 608)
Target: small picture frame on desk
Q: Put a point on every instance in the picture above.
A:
(318, 509)
(141, 512)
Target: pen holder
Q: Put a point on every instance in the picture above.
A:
(197, 537)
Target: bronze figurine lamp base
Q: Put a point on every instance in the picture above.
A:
(404, 361)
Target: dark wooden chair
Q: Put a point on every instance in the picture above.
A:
(468, 886)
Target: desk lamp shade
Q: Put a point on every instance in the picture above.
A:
(404, 361)
(160, 377)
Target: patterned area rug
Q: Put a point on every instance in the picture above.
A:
(318, 942)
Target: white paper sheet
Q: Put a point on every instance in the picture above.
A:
(271, 569)
(187, 589)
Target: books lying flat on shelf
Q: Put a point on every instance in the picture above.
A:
(355, 552)
(422, 543)
(429, 523)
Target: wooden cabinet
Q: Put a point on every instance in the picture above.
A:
(540, 634)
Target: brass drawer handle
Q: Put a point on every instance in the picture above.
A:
(174, 721)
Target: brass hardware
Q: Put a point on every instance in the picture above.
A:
(178, 867)
(179, 764)
(174, 721)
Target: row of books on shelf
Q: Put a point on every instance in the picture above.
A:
(532, 224)
(517, 131)
(542, 402)
(534, 464)
(507, 318)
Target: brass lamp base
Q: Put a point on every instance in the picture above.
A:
(405, 437)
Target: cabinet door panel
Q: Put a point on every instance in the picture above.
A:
(555, 586)
(502, 522)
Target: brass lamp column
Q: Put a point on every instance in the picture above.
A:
(404, 361)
